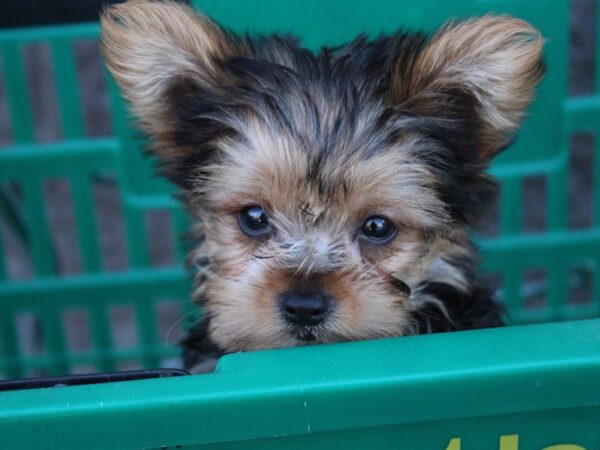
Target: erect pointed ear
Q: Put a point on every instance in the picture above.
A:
(158, 50)
(481, 71)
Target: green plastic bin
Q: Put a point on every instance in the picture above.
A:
(531, 386)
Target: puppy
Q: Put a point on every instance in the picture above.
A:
(331, 193)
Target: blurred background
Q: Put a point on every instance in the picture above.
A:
(121, 323)
(37, 12)
(137, 333)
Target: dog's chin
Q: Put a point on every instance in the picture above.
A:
(307, 335)
(314, 335)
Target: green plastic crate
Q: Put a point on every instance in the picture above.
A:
(525, 387)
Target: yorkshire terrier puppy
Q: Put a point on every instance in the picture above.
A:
(332, 193)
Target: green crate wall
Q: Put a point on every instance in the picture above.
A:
(542, 150)
(82, 161)
(528, 387)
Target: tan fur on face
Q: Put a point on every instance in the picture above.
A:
(316, 241)
(496, 58)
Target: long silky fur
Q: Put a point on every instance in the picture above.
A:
(402, 125)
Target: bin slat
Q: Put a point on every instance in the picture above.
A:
(55, 341)
(17, 92)
(558, 291)
(511, 206)
(101, 338)
(557, 200)
(39, 235)
(11, 210)
(9, 345)
(597, 51)
(65, 74)
(596, 195)
(147, 326)
(511, 286)
(595, 300)
(3, 273)
(136, 236)
(87, 229)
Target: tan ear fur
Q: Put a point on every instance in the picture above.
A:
(495, 59)
(147, 44)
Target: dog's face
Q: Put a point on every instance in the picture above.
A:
(327, 188)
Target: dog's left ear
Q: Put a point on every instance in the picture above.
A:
(481, 71)
(162, 54)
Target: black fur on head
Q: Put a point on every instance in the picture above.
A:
(355, 81)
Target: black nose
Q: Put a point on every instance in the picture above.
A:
(304, 308)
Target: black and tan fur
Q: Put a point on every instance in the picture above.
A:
(402, 126)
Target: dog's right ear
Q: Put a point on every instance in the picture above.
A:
(159, 50)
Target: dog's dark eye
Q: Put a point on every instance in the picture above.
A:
(379, 229)
(254, 221)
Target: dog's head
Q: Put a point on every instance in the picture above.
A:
(327, 187)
